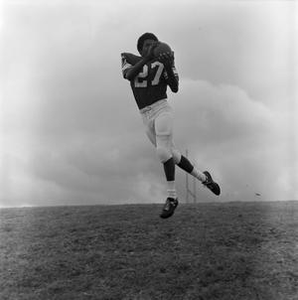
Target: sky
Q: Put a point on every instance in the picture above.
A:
(71, 133)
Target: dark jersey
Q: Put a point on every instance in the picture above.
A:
(150, 85)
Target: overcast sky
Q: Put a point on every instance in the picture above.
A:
(70, 131)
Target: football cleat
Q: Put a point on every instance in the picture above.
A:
(210, 184)
(169, 208)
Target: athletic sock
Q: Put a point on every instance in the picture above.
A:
(185, 164)
(171, 189)
(198, 174)
(188, 167)
(169, 168)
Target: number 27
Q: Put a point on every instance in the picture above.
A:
(141, 81)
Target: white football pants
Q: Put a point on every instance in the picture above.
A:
(158, 121)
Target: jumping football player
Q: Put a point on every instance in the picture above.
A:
(149, 77)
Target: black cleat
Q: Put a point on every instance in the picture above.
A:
(210, 184)
(169, 208)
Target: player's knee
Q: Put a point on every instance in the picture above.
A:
(176, 156)
(163, 154)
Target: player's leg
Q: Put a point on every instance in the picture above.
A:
(162, 142)
(184, 163)
(163, 130)
(149, 128)
(205, 177)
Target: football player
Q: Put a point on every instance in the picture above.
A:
(149, 77)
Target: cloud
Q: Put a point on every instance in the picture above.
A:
(70, 129)
(222, 113)
(241, 140)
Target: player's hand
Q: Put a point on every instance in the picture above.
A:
(167, 58)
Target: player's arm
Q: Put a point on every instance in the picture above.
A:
(130, 71)
(173, 79)
(171, 74)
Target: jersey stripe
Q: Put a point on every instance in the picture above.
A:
(125, 65)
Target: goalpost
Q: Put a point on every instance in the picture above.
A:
(190, 192)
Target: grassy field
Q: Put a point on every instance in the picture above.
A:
(206, 251)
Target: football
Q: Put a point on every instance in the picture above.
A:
(161, 48)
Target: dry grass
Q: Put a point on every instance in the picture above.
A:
(206, 251)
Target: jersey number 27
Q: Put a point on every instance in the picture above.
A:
(141, 81)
